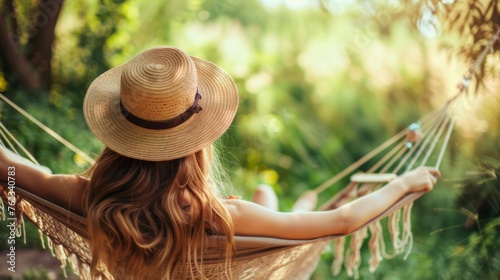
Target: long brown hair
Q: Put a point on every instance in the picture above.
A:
(136, 223)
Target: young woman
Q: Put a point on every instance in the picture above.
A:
(151, 199)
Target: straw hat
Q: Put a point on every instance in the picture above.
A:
(161, 105)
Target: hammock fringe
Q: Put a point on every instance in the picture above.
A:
(259, 257)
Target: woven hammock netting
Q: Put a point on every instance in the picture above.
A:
(422, 143)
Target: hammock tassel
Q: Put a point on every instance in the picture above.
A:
(73, 263)
(394, 233)
(338, 255)
(353, 258)
(374, 245)
(407, 234)
(2, 210)
(85, 271)
(42, 240)
(61, 256)
(50, 244)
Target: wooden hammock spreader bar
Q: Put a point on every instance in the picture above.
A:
(77, 223)
(392, 156)
(462, 87)
(361, 184)
(56, 221)
(359, 162)
(248, 248)
(400, 149)
(362, 178)
(356, 165)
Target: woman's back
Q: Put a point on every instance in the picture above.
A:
(152, 216)
(150, 201)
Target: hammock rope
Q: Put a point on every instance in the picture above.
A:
(433, 128)
(259, 257)
(462, 86)
(440, 121)
(5, 132)
(49, 131)
(352, 260)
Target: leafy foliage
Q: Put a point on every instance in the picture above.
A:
(479, 201)
(477, 22)
(316, 93)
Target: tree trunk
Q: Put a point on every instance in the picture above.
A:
(42, 37)
(14, 62)
(32, 69)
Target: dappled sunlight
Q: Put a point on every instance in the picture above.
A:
(477, 125)
(257, 82)
(321, 83)
(231, 44)
(323, 59)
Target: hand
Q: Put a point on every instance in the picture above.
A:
(420, 179)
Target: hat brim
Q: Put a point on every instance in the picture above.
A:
(101, 108)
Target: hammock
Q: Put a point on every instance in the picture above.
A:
(263, 257)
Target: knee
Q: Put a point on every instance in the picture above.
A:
(263, 189)
(265, 196)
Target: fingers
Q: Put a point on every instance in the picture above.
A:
(423, 178)
(434, 172)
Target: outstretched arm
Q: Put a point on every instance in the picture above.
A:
(63, 190)
(254, 220)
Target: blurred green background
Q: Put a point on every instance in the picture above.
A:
(321, 84)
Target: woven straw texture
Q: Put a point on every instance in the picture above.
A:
(157, 85)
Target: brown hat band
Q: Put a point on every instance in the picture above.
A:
(195, 108)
